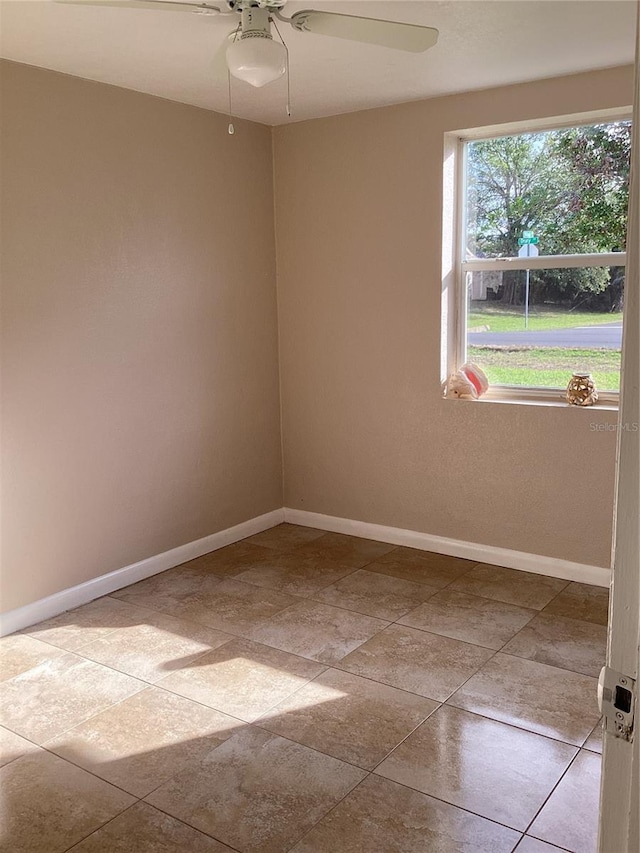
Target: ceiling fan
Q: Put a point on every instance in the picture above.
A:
(252, 54)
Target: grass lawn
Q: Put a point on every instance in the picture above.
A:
(547, 366)
(510, 318)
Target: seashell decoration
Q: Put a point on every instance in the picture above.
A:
(581, 390)
(468, 383)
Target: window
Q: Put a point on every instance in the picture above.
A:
(539, 259)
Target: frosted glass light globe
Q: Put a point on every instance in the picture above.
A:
(257, 61)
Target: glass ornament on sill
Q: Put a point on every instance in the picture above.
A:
(581, 390)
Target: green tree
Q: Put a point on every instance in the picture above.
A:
(599, 161)
(515, 184)
(599, 158)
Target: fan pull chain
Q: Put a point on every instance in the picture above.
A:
(231, 127)
(288, 83)
(288, 70)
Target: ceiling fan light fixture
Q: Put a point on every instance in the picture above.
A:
(257, 61)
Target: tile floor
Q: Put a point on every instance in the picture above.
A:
(308, 692)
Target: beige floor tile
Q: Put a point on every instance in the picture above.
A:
(317, 631)
(60, 693)
(79, 627)
(523, 589)
(242, 678)
(257, 792)
(301, 599)
(156, 647)
(567, 643)
(497, 771)
(382, 817)
(347, 550)
(233, 607)
(582, 601)
(594, 741)
(437, 570)
(294, 574)
(469, 618)
(285, 537)
(375, 594)
(142, 742)
(229, 561)
(13, 746)
(534, 696)
(351, 718)
(570, 817)
(416, 661)
(19, 652)
(532, 845)
(49, 804)
(162, 592)
(200, 576)
(143, 829)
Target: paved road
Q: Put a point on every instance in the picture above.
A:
(606, 335)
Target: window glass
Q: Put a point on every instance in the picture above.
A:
(531, 195)
(542, 349)
(569, 187)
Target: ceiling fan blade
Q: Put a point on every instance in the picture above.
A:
(411, 37)
(165, 5)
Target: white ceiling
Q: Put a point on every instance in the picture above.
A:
(482, 43)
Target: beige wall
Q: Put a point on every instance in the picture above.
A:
(366, 433)
(140, 376)
(139, 347)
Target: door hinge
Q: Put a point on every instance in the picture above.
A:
(617, 701)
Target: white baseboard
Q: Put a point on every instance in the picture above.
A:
(45, 608)
(552, 566)
(66, 599)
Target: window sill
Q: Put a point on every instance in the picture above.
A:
(531, 398)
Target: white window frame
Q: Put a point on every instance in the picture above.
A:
(455, 266)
